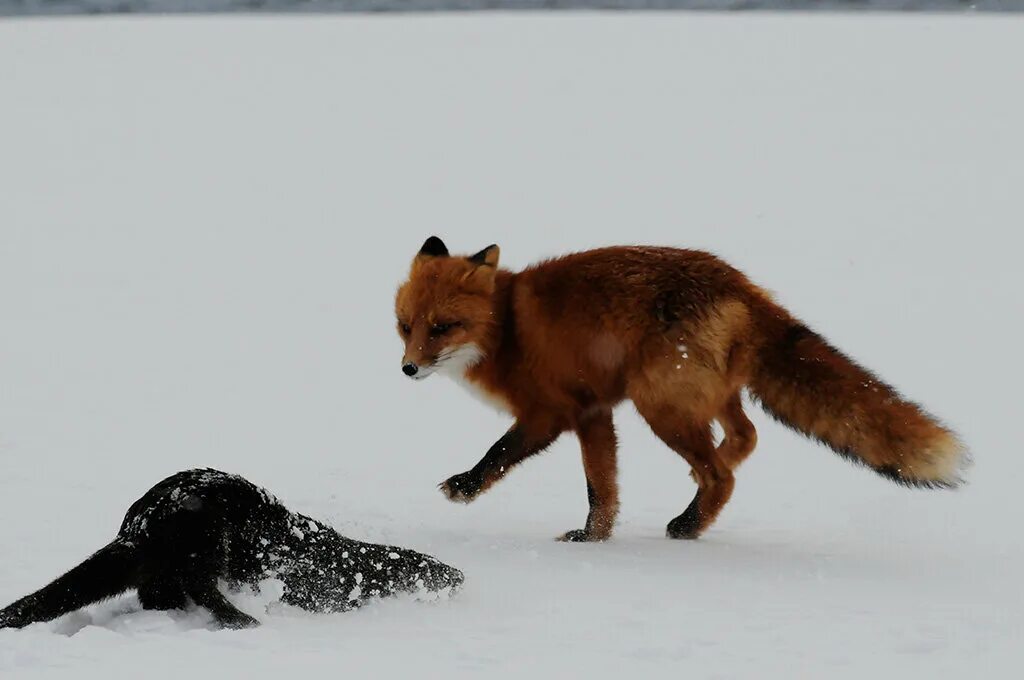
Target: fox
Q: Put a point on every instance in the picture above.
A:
(200, 526)
(679, 333)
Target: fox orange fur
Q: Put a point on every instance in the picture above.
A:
(680, 333)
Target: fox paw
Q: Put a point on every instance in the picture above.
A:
(581, 536)
(462, 488)
(686, 526)
(237, 621)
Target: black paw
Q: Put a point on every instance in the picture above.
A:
(580, 536)
(461, 488)
(237, 621)
(686, 526)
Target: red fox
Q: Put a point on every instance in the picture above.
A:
(679, 333)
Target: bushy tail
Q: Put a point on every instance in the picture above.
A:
(108, 572)
(807, 384)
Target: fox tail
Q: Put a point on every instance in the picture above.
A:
(107, 573)
(807, 384)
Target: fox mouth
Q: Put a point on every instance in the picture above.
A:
(424, 372)
(453, 361)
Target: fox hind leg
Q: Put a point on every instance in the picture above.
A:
(740, 435)
(598, 445)
(193, 554)
(205, 594)
(689, 434)
(162, 593)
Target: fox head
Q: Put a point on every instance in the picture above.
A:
(444, 309)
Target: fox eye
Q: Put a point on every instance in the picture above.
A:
(442, 328)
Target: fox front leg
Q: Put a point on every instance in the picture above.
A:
(516, 445)
(598, 445)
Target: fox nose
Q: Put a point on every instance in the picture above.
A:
(410, 369)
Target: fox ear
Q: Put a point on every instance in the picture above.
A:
(485, 268)
(488, 256)
(433, 247)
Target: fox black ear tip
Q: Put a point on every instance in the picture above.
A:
(488, 255)
(434, 247)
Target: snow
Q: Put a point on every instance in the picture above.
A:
(49, 7)
(202, 226)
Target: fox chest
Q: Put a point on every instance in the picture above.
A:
(484, 395)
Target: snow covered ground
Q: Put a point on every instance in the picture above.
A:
(202, 224)
(56, 7)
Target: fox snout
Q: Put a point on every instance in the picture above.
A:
(417, 370)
